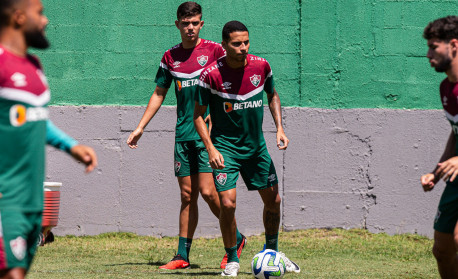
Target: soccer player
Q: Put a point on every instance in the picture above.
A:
(442, 37)
(182, 65)
(24, 130)
(232, 87)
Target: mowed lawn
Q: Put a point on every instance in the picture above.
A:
(320, 254)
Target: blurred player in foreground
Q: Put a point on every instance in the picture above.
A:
(442, 36)
(232, 87)
(182, 65)
(25, 129)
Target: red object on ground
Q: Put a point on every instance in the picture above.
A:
(51, 208)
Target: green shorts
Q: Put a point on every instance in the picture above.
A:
(258, 173)
(447, 212)
(191, 157)
(19, 233)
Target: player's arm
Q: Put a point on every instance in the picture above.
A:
(59, 139)
(275, 109)
(216, 160)
(447, 168)
(155, 102)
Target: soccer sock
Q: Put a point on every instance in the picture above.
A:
(239, 236)
(232, 254)
(272, 242)
(184, 245)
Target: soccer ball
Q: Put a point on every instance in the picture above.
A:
(268, 264)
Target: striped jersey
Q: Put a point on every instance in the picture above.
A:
(183, 67)
(24, 96)
(236, 104)
(449, 98)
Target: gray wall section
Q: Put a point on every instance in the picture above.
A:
(355, 168)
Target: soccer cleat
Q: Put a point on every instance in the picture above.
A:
(290, 265)
(240, 247)
(231, 270)
(178, 262)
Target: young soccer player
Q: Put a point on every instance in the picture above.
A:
(24, 130)
(442, 36)
(182, 65)
(232, 87)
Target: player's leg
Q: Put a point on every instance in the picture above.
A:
(189, 216)
(445, 232)
(271, 215)
(444, 251)
(15, 273)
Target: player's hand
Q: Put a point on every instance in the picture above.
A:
(134, 137)
(428, 181)
(281, 138)
(447, 170)
(216, 159)
(86, 155)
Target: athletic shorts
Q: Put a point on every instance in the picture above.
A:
(191, 157)
(257, 172)
(19, 233)
(447, 212)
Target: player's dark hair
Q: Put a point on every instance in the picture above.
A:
(233, 26)
(445, 29)
(6, 9)
(189, 8)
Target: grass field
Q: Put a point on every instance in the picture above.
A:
(320, 254)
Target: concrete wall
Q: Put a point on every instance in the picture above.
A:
(360, 103)
(356, 168)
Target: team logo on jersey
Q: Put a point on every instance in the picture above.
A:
(226, 85)
(176, 64)
(19, 80)
(227, 107)
(18, 247)
(177, 166)
(221, 178)
(255, 80)
(272, 177)
(202, 60)
(179, 85)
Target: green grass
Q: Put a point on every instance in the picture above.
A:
(320, 254)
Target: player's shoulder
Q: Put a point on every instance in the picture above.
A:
(210, 44)
(211, 69)
(169, 51)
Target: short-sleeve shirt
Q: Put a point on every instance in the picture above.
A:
(235, 98)
(24, 96)
(449, 98)
(183, 67)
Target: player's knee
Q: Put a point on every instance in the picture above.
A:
(227, 205)
(444, 254)
(209, 195)
(273, 203)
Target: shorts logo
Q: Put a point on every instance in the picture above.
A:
(177, 166)
(255, 80)
(179, 85)
(227, 107)
(202, 60)
(272, 177)
(18, 247)
(221, 178)
(438, 215)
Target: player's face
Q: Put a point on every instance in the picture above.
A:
(237, 46)
(35, 25)
(189, 27)
(439, 55)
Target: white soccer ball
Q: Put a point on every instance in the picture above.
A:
(268, 264)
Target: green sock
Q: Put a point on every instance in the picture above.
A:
(184, 245)
(239, 236)
(272, 242)
(232, 254)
